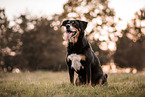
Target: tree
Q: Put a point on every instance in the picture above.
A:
(130, 47)
(42, 46)
(9, 43)
(101, 28)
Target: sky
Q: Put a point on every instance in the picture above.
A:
(36, 7)
(124, 9)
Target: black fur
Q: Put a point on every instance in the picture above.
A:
(92, 71)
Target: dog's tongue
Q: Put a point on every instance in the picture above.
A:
(69, 35)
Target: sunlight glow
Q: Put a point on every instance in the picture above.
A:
(121, 25)
(96, 36)
(71, 15)
(125, 9)
(143, 23)
(104, 46)
(112, 68)
(36, 7)
(112, 46)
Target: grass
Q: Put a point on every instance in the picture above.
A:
(56, 84)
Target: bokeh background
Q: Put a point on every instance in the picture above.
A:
(31, 38)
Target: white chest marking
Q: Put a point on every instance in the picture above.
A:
(76, 64)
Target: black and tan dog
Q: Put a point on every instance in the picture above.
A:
(80, 56)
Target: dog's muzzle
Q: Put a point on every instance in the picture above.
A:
(71, 31)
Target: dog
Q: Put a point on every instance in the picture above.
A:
(80, 57)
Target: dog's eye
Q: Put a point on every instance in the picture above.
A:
(73, 22)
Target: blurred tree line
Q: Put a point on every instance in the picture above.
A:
(31, 44)
(37, 43)
(131, 46)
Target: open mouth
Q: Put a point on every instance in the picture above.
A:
(71, 31)
(71, 34)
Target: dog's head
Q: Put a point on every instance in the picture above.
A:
(74, 28)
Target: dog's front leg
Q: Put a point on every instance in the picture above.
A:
(71, 71)
(71, 75)
(88, 74)
(89, 60)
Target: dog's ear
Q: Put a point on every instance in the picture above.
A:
(83, 25)
(64, 23)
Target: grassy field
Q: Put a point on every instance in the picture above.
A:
(56, 84)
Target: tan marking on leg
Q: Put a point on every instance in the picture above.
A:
(90, 83)
(68, 59)
(83, 57)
